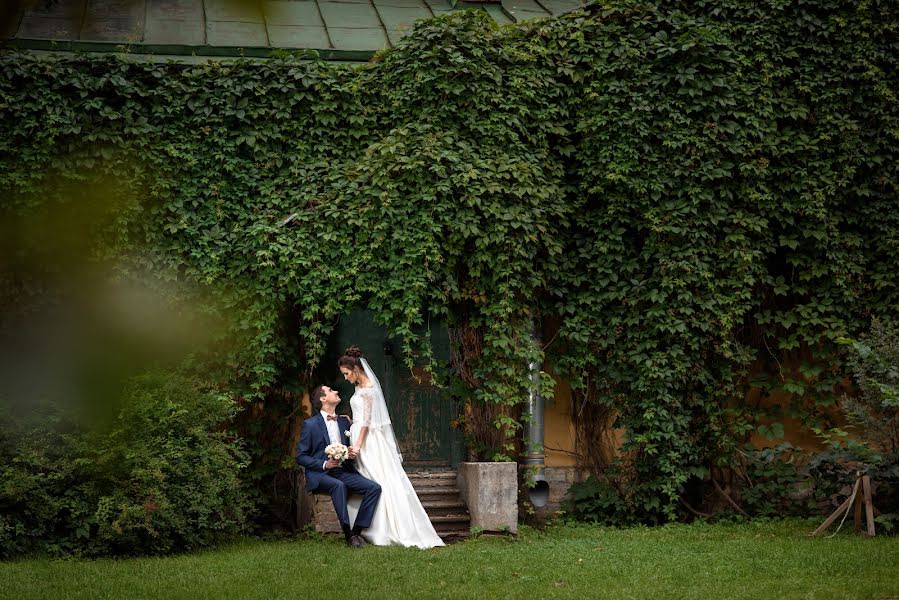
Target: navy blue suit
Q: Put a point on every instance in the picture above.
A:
(337, 482)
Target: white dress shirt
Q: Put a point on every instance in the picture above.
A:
(333, 433)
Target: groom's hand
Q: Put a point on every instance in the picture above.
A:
(331, 464)
(353, 452)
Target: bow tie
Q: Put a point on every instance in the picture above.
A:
(332, 417)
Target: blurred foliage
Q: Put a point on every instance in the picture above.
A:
(685, 187)
(162, 477)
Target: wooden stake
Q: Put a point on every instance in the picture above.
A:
(858, 512)
(843, 508)
(869, 505)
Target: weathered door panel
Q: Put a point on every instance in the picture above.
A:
(420, 413)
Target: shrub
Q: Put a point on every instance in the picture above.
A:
(777, 484)
(875, 366)
(162, 477)
(873, 416)
(596, 501)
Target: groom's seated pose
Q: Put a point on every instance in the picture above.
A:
(324, 427)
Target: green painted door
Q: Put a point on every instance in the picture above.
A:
(420, 413)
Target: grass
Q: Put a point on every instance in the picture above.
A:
(754, 560)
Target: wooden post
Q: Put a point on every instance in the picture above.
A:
(869, 505)
(859, 501)
(861, 494)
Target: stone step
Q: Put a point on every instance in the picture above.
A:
(436, 493)
(460, 525)
(432, 473)
(445, 508)
(456, 518)
(452, 535)
(439, 495)
(423, 479)
(435, 490)
(444, 504)
(441, 528)
(429, 485)
(435, 479)
(432, 490)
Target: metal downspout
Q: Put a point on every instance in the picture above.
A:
(535, 458)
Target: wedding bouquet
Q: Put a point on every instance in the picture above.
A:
(338, 452)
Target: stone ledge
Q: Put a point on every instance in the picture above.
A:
(560, 480)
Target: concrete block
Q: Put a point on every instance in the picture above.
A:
(490, 491)
(324, 519)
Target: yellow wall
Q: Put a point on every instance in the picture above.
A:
(794, 432)
(560, 439)
(558, 428)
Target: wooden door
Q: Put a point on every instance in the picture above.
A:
(421, 413)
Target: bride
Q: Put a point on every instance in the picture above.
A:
(399, 518)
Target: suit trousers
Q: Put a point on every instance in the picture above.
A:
(339, 483)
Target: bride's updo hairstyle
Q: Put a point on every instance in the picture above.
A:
(351, 359)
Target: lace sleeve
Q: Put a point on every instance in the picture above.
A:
(367, 404)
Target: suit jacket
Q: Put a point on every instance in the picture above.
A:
(314, 439)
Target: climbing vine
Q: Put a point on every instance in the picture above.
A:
(686, 188)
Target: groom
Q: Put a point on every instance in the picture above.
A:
(326, 474)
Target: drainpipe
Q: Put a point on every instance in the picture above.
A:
(535, 458)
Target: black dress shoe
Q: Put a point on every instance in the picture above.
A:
(356, 541)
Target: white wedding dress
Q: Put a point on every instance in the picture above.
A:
(399, 518)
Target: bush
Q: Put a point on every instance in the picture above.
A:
(873, 416)
(596, 501)
(777, 484)
(162, 477)
(875, 366)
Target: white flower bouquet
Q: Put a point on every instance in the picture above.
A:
(338, 452)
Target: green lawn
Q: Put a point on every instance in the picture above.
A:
(759, 560)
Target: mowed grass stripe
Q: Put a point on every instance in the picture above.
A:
(773, 559)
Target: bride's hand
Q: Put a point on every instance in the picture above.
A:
(353, 451)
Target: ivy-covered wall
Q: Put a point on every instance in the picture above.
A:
(685, 188)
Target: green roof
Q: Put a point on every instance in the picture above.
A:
(338, 29)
